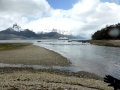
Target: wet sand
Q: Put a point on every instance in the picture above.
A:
(33, 55)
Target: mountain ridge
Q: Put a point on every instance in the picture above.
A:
(16, 32)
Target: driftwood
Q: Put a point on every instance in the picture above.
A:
(113, 82)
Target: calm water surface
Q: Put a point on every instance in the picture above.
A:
(100, 60)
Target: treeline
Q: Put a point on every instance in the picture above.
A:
(107, 33)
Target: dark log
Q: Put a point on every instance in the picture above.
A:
(113, 82)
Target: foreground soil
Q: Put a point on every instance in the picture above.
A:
(33, 55)
(29, 79)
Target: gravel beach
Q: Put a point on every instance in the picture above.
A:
(33, 55)
(29, 79)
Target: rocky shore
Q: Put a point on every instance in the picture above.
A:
(30, 79)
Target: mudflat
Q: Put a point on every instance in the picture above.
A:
(33, 55)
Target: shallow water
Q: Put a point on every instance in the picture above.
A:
(100, 60)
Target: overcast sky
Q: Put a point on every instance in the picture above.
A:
(79, 17)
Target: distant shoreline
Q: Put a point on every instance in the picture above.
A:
(110, 43)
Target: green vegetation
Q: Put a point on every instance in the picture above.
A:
(111, 32)
(7, 46)
(98, 42)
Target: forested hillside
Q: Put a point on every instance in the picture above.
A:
(107, 33)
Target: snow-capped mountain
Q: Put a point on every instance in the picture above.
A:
(58, 31)
(16, 32)
(16, 27)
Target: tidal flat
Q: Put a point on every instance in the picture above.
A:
(29, 54)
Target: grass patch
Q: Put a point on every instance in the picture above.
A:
(97, 41)
(110, 43)
(7, 46)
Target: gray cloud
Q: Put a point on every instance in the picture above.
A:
(25, 7)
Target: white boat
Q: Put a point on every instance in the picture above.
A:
(63, 38)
